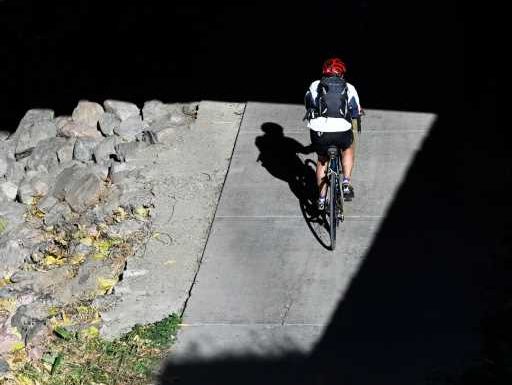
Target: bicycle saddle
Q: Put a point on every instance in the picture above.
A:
(332, 151)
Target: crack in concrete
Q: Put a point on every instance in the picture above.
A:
(287, 308)
(189, 294)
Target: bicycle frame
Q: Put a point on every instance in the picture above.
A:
(336, 196)
(333, 168)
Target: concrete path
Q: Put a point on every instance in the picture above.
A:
(268, 283)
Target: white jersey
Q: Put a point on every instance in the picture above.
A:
(333, 124)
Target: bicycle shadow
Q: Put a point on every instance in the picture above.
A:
(279, 156)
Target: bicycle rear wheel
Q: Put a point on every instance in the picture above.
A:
(333, 213)
(339, 205)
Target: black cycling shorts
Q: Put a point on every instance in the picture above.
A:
(321, 141)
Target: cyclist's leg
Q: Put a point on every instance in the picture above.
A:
(347, 156)
(347, 160)
(319, 140)
(321, 166)
(355, 135)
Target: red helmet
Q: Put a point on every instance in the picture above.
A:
(334, 66)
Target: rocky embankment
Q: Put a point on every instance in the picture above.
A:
(74, 207)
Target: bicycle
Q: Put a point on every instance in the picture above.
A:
(334, 193)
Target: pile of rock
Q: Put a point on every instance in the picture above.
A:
(73, 207)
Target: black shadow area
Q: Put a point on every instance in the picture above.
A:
(430, 303)
(279, 156)
(56, 52)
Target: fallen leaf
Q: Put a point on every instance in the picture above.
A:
(141, 212)
(3, 224)
(7, 305)
(77, 259)
(99, 256)
(51, 260)
(53, 311)
(90, 332)
(5, 281)
(105, 285)
(17, 346)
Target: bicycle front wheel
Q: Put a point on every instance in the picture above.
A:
(333, 214)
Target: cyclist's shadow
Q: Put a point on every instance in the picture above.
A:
(279, 156)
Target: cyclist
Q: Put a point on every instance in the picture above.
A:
(333, 126)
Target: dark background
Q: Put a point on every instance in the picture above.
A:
(401, 55)
(431, 303)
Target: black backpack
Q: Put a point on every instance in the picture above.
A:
(333, 97)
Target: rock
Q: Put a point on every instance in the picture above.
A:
(11, 215)
(8, 339)
(130, 128)
(129, 151)
(36, 341)
(121, 171)
(44, 155)
(35, 126)
(123, 110)
(42, 283)
(134, 195)
(190, 109)
(109, 123)
(61, 121)
(4, 367)
(57, 214)
(84, 149)
(88, 113)
(79, 130)
(4, 164)
(108, 205)
(29, 237)
(164, 134)
(65, 152)
(15, 170)
(66, 178)
(47, 203)
(4, 135)
(12, 256)
(6, 155)
(101, 170)
(105, 149)
(38, 115)
(95, 277)
(6, 150)
(155, 110)
(126, 228)
(84, 192)
(8, 191)
(121, 167)
(34, 185)
(81, 249)
(29, 319)
(125, 176)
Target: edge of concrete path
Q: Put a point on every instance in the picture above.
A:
(159, 282)
(194, 280)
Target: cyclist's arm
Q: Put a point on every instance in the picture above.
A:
(310, 100)
(355, 108)
(353, 100)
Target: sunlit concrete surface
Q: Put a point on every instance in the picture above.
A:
(268, 283)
